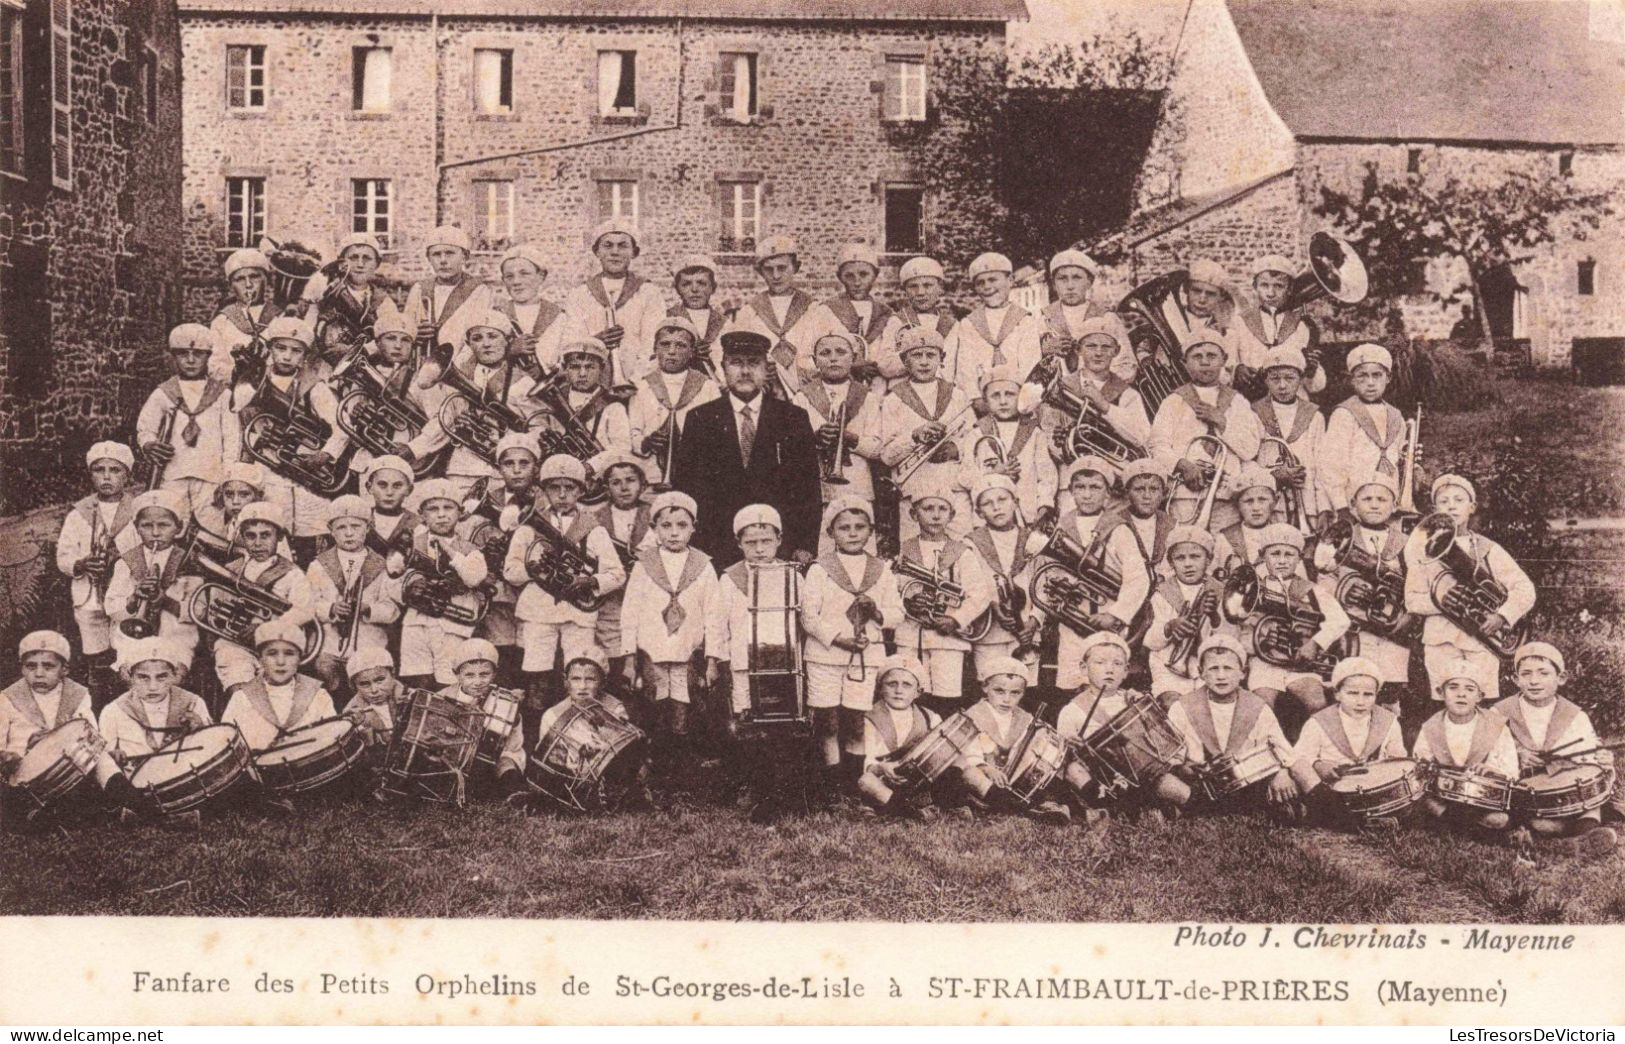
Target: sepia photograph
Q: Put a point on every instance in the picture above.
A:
(813, 461)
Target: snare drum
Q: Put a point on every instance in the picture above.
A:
(1381, 788)
(1225, 775)
(1561, 793)
(61, 760)
(185, 773)
(588, 759)
(1134, 747)
(1462, 786)
(501, 718)
(310, 757)
(1040, 762)
(937, 751)
(432, 747)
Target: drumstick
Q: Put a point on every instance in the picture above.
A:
(1087, 718)
(178, 751)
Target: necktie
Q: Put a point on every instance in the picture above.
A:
(349, 573)
(747, 435)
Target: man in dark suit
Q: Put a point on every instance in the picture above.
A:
(748, 448)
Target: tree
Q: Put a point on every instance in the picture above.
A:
(1399, 225)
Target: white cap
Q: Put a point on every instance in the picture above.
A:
(361, 239)
(1545, 650)
(518, 440)
(44, 641)
(616, 224)
(388, 462)
(435, 489)
(690, 262)
(1370, 353)
(1452, 480)
(527, 252)
(757, 515)
(1461, 667)
(989, 262)
(585, 346)
(1005, 374)
(1074, 259)
(840, 505)
(1187, 534)
(1197, 341)
(143, 650)
(1100, 638)
(1355, 666)
(920, 268)
(1211, 272)
(449, 235)
(1377, 478)
(263, 511)
(562, 466)
(349, 506)
(287, 328)
(247, 257)
(990, 480)
(191, 337)
(678, 322)
(615, 458)
(940, 491)
(390, 320)
(492, 319)
(1280, 533)
(913, 338)
(472, 649)
(1221, 640)
(673, 499)
(903, 662)
(1271, 263)
(856, 253)
(1284, 355)
(773, 246)
(164, 499)
(366, 659)
(247, 472)
(994, 666)
(1108, 324)
(1088, 462)
(1143, 466)
(1253, 474)
(110, 451)
(279, 629)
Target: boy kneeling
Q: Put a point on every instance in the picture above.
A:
(1339, 739)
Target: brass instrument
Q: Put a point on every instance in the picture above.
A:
(292, 265)
(432, 587)
(99, 562)
(487, 533)
(1275, 628)
(1464, 590)
(231, 607)
(773, 665)
(146, 614)
(1162, 363)
(565, 433)
(1074, 579)
(352, 624)
(474, 420)
(837, 458)
(1335, 271)
(1407, 513)
(915, 581)
(1203, 609)
(1372, 592)
(855, 670)
(372, 413)
(671, 453)
(917, 457)
(166, 430)
(1274, 453)
(1220, 455)
(552, 563)
(1091, 432)
(1008, 605)
(284, 432)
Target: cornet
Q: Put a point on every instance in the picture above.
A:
(917, 457)
(166, 428)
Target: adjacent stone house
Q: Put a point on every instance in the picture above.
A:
(1280, 97)
(90, 183)
(713, 124)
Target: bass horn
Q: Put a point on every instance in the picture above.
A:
(232, 607)
(1335, 271)
(1162, 366)
(1074, 579)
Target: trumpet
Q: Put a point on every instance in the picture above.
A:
(1465, 591)
(1203, 609)
(1091, 432)
(431, 587)
(352, 624)
(1408, 515)
(836, 458)
(166, 429)
(474, 420)
(939, 594)
(553, 564)
(146, 614)
(1275, 628)
(917, 457)
(1372, 592)
(283, 433)
(1274, 453)
(670, 456)
(1220, 456)
(1076, 581)
(1162, 367)
(230, 606)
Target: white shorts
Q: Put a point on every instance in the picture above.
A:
(829, 686)
(95, 630)
(543, 640)
(607, 626)
(429, 650)
(499, 626)
(198, 492)
(668, 681)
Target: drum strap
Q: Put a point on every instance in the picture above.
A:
(1563, 716)
(881, 718)
(1200, 715)
(1331, 723)
(1485, 732)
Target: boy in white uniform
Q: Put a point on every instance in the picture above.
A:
(1219, 717)
(1072, 275)
(279, 699)
(1096, 382)
(1174, 621)
(893, 724)
(1466, 735)
(937, 639)
(1285, 414)
(261, 527)
(1365, 435)
(245, 317)
(440, 309)
(154, 711)
(995, 333)
(149, 574)
(538, 323)
(1262, 328)
(1002, 544)
(918, 413)
(1280, 571)
(96, 531)
(203, 429)
(1009, 442)
(856, 313)
(350, 592)
(782, 313)
(429, 637)
(1351, 733)
(1377, 533)
(666, 395)
(1201, 408)
(616, 306)
(921, 279)
(842, 410)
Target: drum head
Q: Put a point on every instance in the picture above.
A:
(302, 743)
(42, 756)
(180, 757)
(1375, 774)
(1562, 778)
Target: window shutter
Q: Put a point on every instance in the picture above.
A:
(891, 98)
(62, 93)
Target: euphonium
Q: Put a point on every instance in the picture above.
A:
(230, 606)
(552, 563)
(474, 420)
(371, 412)
(430, 586)
(1091, 432)
(564, 433)
(1162, 367)
(1074, 579)
(1464, 590)
(943, 594)
(284, 432)
(1371, 592)
(1275, 628)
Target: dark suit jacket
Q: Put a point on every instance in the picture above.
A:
(783, 472)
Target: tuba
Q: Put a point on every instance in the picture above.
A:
(1275, 629)
(1464, 590)
(230, 606)
(284, 432)
(1162, 367)
(773, 666)
(474, 420)
(1091, 432)
(372, 413)
(552, 563)
(292, 265)
(1074, 578)
(1371, 591)
(915, 581)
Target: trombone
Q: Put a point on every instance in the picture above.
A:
(957, 425)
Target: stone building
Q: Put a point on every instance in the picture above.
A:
(90, 183)
(713, 124)
(1278, 98)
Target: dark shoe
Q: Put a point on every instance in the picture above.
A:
(1051, 812)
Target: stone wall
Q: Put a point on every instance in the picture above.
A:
(90, 271)
(819, 146)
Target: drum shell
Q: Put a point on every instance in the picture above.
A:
(319, 767)
(203, 780)
(588, 758)
(1138, 744)
(1395, 785)
(1589, 788)
(1226, 775)
(937, 751)
(500, 721)
(432, 747)
(1459, 786)
(60, 774)
(1041, 763)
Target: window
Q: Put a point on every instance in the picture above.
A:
(905, 88)
(736, 85)
(11, 89)
(245, 211)
(905, 219)
(149, 83)
(617, 83)
(1565, 162)
(1413, 161)
(493, 215)
(370, 208)
(245, 77)
(493, 81)
(371, 69)
(741, 224)
(618, 199)
(62, 93)
(1586, 278)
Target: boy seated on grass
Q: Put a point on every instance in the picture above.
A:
(1466, 735)
(1338, 739)
(893, 724)
(1003, 724)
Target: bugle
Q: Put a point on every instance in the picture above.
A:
(166, 429)
(1219, 456)
(1203, 610)
(350, 626)
(99, 562)
(922, 453)
(1464, 590)
(836, 457)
